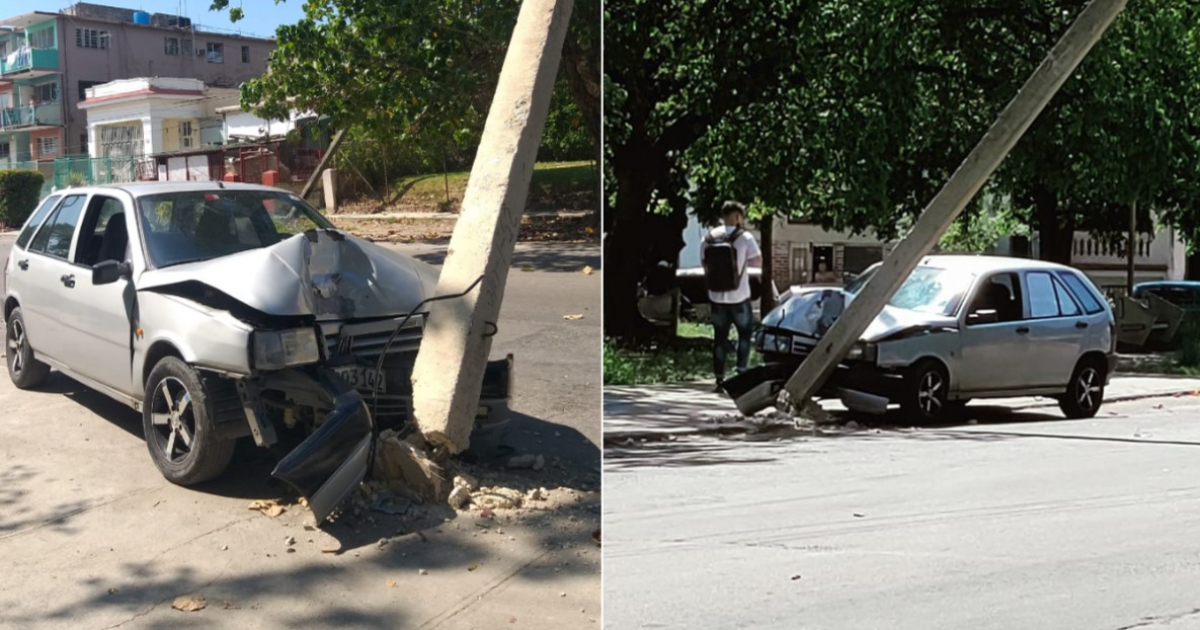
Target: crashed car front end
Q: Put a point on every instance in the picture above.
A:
(308, 345)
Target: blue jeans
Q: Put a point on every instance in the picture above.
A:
(723, 316)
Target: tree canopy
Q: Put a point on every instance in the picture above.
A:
(855, 114)
(421, 71)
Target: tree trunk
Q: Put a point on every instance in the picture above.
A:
(1056, 234)
(767, 299)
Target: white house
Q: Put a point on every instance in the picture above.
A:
(148, 116)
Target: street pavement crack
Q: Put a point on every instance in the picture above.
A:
(1160, 619)
(478, 596)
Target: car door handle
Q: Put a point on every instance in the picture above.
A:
(23, 264)
(68, 281)
(1081, 325)
(1022, 330)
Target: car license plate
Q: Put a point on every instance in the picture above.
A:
(364, 378)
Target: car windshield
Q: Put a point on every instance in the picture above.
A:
(191, 226)
(927, 289)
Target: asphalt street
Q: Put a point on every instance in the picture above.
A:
(91, 535)
(1019, 520)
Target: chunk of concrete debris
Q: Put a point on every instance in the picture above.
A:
(289, 541)
(189, 603)
(497, 497)
(460, 496)
(522, 461)
(466, 481)
(422, 572)
(270, 507)
(407, 469)
(536, 494)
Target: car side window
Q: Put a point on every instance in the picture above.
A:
(1042, 301)
(1066, 303)
(54, 239)
(1082, 293)
(1000, 292)
(1048, 297)
(101, 237)
(38, 217)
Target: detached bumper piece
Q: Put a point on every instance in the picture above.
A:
(759, 387)
(328, 466)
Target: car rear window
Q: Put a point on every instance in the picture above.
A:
(1085, 295)
(39, 215)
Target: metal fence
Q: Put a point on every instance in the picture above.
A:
(81, 170)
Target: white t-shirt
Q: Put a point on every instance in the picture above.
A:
(746, 248)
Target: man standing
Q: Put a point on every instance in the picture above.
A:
(729, 251)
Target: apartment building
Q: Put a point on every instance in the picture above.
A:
(49, 60)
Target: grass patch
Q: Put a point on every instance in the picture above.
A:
(685, 358)
(554, 186)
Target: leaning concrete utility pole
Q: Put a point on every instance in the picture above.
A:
(448, 374)
(954, 196)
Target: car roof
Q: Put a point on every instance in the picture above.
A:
(984, 264)
(141, 189)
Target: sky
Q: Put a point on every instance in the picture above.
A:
(262, 16)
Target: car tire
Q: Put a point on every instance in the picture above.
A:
(25, 371)
(177, 422)
(1085, 392)
(926, 391)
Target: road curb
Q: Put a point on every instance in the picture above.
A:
(450, 216)
(619, 435)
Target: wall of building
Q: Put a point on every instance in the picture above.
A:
(141, 51)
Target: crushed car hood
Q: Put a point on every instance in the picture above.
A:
(321, 273)
(811, 312)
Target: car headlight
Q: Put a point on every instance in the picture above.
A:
(862, 352)
(278, 349)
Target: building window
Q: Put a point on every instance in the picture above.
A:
(186, 48)
(91, 38)
(43, 39)
(47, 147)
(245, 54)
(83, 143)
(83, 88)
(171, 45)
(215, 53)
(186, 139)
(5, 151)
(46, 93)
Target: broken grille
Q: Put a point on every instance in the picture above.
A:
(366, 340)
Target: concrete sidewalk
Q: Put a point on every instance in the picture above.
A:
(660, 411)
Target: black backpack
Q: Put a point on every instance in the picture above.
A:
(721, 269)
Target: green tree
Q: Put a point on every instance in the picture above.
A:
(423, 71)
(855, 114)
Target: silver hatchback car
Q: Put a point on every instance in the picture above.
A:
(959, 328)
(227, 310)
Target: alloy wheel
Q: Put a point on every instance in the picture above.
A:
(173, 418)
(929, 393)
(16, 347)
(1087, 388)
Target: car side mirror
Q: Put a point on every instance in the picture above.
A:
(983, 316)
(110, 271)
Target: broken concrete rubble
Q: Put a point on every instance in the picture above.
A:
(408, 469)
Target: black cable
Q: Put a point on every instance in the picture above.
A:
(383, 356)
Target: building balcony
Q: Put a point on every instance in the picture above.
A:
(30, 118)
(29, 63)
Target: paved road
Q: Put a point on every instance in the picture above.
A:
(1021, 521)
(91, 536)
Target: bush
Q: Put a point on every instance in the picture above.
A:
(19, 192)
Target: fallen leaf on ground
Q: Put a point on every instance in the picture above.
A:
(795, 577)
(189, 603)
(573, 316)
(473, 567)
(391, 583)
(587, 270)
(230, 606)
(526, 268)
(859, 515)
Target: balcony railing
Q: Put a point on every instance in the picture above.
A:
(36, 116)
(37, 59)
